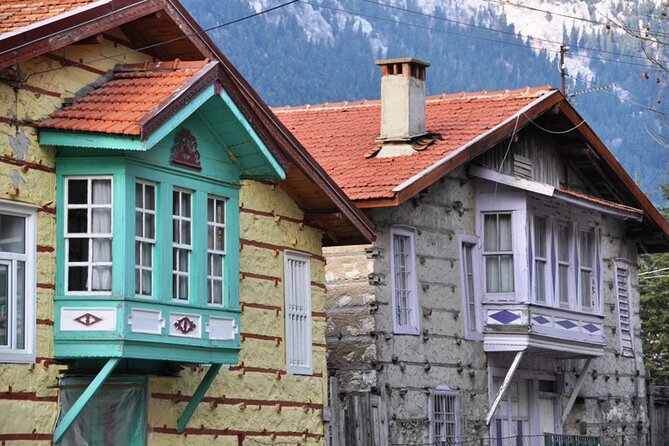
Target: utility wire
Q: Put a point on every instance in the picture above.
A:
(176, 39)
(511, 33)
(396, 22)
(604, 90)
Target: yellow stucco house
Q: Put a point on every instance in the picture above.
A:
(161, 234)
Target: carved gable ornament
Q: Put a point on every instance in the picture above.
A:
(184, 150)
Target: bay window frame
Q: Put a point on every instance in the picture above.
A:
(12, 353)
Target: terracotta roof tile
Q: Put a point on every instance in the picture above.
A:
(119, 105)
(15, 14)
(339, 135)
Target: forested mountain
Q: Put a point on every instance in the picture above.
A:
(316, 51)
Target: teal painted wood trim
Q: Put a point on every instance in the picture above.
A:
(127, 236)
(120, 235)
(164, 242)
(90, 140)
(254, 136)
(197, 397)
(199, 256)
(180, 117)
(232, 252)
(80, 404)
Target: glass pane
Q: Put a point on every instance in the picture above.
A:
(506, 273)
(139, 196)
(185, 232)
(12, 234)
(175, 259)
(77, 279)
(150, 226)
(492, 274)
(217, 265)
(77, 191)
(540, 237)
(102, 191)
(185, 204)
(146, 283)
(137, 279)
(217, 292)
(78, 250)
(505, 232)
(210, 237)
(176, 233)
(150, 197)
(175, 203)
(563, 285)
(147, 254)
(139, 225)
(220, 211)
(540, 281)
(210, 209)
(585, 285)
(101, 279)
(183, 260)
(77, 221)
(101, 221)
(563, 243)
(585, 249)
(490, 233)
(183, 287)
(220, 239)
(20, 306)
(102, 250)
(4, 305)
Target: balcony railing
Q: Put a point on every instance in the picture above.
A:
(515, 326)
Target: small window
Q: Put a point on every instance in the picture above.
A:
(539, 285)
(88, 235)
(145, 237)
(297, 278)
(624, 309)
(563, 237)
(498, 253)
(182, 244)
(215, 250)
(403, 266)
(17, 284)
(444, 417)
(471, 308)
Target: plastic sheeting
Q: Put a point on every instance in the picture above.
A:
(116, 415)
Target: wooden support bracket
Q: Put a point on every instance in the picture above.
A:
(66, 422)
(197, 397)
(504, 386)
(576, 391)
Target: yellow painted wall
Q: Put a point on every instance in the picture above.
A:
(255, 401)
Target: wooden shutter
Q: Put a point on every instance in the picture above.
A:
(297, 278)
(624, 310)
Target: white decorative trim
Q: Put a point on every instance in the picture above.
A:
(146, 321)
(88, 319)
(222, 329)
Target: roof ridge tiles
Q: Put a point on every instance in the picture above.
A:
(170, 65)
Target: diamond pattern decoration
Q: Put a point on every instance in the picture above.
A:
(591, 328)
(540, 320)
(185, 325)
(88, 319)
(566, 324)
(505, 317)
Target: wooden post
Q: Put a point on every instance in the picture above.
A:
(576, 390)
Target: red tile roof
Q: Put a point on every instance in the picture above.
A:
(15, 14)
(340, 135)
(118, 106)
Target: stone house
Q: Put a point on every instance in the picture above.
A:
(161, 235)
(499, 302)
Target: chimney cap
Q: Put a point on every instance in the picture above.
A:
(403, 60)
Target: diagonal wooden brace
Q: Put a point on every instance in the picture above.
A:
(504, 386)
(69, 418)
(576, 391)
(197, 397)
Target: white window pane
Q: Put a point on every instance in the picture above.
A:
(12, 234)
(506, 274)
(101, 278)
(20, 312)
(540, 237)
(540, 280)
(102, 250)
(563, 283)
(505, 232)
(4, 305)
(101, 221)
(492, 274)
(586, 288)
(101, 191)
(490, 233)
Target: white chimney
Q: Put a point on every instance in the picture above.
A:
(402, 104)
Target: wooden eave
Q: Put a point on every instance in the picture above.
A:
(154, 21)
